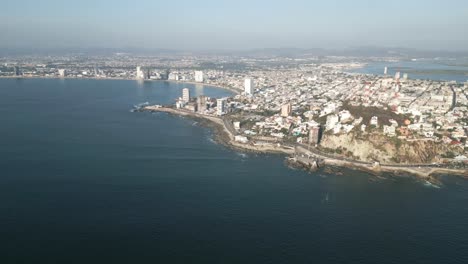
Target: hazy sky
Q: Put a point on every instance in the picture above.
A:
(240, 24)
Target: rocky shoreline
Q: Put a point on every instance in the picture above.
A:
(297, 157)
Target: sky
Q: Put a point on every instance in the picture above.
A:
(234, 25)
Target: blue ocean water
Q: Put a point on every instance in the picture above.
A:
(83, 180)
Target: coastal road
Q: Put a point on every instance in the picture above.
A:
(331, 156)
(229, 126)
(319, 154)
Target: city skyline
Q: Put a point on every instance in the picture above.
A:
(240, 25)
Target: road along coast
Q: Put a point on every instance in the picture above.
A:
(300, 156)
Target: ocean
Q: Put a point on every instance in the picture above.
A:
(424, 69)
(84, 180)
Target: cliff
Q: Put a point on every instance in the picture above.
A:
(378, 147)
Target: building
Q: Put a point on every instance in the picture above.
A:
(374, 121)
(345, 116)
(185, 95)
(201, 104)
(397, 75)
(221, 106)
(332, 121)
(286, 110)
(385, 71)
(241, 139)
(140, 74)
(62, 72)
(248, 86)
(18, 71)
(389, 131)
(148, 74)
(173, 76)
(405, 76)
(314, 135)
(191, 107)
(199, 76)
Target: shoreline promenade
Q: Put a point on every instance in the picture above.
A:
(308, 159)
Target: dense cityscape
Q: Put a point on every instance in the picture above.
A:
(312, 101)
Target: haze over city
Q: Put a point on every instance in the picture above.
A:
(204, 131)
(234, 25)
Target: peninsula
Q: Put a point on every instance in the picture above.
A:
(310, 108)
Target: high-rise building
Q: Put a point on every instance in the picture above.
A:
(17, 71)
(248, 86)
(221, 106)
(62, 72)
(140, 74)
(405, 76)
(286, 110)
(199, 76)
(385, 71)
(186, 95)
(314, 135)
(201, 103)
(397, 75)
(148, 74)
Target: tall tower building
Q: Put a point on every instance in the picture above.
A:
(199, 76)
(201, 103)
(385, 71)
(17, 71)
(140, 73)
(286, 110)
(186, 95)
(397, 75)
(248, 86)
(314, 135)
(148, 74)
(221, 106)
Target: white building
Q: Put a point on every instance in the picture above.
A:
(241, 139)
(186, 95)
(389, 131)
(139, 73)
(173, 76)
(249, 86)
(345, 116)
(199, 76)
(62, 72)
(374, 121)
(286, 110)
(221, 106)
(328, 109)
(332, 121)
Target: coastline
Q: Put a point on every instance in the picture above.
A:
(224, 136)
(231, 89)
(297, 156)
(222, 133)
